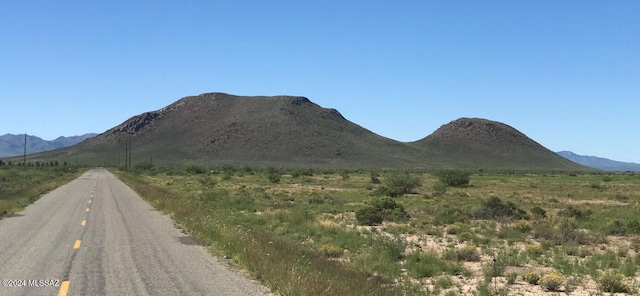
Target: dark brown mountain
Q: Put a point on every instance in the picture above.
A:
(218, 128)
(483, 143)
(221, 128)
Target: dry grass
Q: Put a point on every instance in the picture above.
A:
(313, 216)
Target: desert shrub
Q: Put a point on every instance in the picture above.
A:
(388, 191)
(539, 212)
(531, 278)
(439, 189)
(390, 209)
(274, 177)
(381, 209)
(552, 281)
(330, 250)
(368, 216)
(613, 282)
(143, 166)
(374, 178)
(450, 215)
(430, 264)
(469, 254)
(403, 183)
(523, 226)
(534, 249)
(454, 228)
(615, 227)
(572, 212)
(453, 177)
(195, 169)
(494, 208)
(633, 226)
(512, 277)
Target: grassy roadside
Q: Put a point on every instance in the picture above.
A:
(284, 265)
(301, 232)
(21, 186)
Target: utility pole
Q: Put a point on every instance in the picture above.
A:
(24, 156)
(126, 154)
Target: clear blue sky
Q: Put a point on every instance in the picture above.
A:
(565, 73)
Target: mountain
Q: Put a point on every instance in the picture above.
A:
(218, 128)
(481, 143)
(12, 145)
(601, 163)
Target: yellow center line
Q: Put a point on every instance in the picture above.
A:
(84, 222)
(87, 209)
(64, 288)
(77, 245)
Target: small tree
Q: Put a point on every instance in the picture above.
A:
(381, 209)
(399, 184)
(453, 177)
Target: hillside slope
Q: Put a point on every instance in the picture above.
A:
(222, 128)
(218, 128)
(481, 143)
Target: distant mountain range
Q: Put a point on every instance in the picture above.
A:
(601, 163)
(224, 129)
(12, 145)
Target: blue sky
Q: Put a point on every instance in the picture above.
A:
(565, 73)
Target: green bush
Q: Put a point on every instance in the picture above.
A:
(575, 213)
(369, 216)
(195, 169)
(423, 265)
(539, 212)
(495, 208)
(330, 250)
(381, 209)
(403, 183)
(453, 177)
(274, 177)
(613, 282)
(531, 278)
(469, 254)
(388, 191)
(511, 278)
(552, 281)
(374, 178)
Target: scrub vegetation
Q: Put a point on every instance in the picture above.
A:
(21, 185)
(320, 232)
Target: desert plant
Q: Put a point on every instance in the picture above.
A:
(374, 178)
(538, 212)
(469, 253)
(380, 209)
(512, 277)
(195, 169)
(551, 281)
(439, 189)
(495, 208)
(453, 177)
(368, 216)
(274, 177)
(403, 183)
(613, 282)
(330, 250)
(534, 249)
(523, 226)
(531, 278)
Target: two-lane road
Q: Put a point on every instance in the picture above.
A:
(95, 236)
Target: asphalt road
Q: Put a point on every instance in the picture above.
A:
(95, 236)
